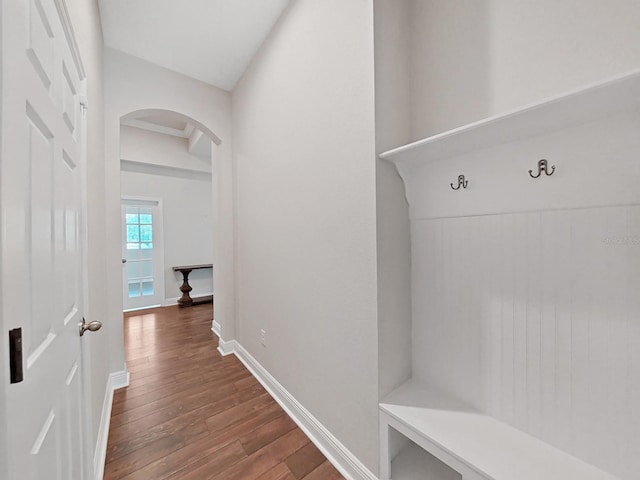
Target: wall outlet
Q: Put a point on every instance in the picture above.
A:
(263, 337)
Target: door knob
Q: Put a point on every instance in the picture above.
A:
(124, 260)
(91, 326)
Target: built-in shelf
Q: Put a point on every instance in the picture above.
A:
(413, 463)
(581, 106)
(475, 445)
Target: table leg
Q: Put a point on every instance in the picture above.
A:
(185, 288)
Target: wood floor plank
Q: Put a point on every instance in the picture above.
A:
(193, 452)
(218, 401)
(174, 390)
(266, 458)
(279, 472)
(212, 464)
(138, 459)
(246, 382)
(130, 411)
(325, 471)
(259, 438)
(185, 426)
(235, 413)
(305, 460)
(191, 414)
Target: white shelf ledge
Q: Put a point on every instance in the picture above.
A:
(485, 447)
(578, 107)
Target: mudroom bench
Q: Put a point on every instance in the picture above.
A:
(523, 233)
(466, 444)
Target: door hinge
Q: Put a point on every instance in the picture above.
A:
(15, 355)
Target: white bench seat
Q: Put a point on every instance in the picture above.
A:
(477, 446)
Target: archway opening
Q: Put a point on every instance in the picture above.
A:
(167, 195)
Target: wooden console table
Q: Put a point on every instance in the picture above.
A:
(185, 288)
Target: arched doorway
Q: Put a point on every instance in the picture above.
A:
(166, 168)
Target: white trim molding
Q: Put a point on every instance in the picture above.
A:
(227, 347)
(345, 461)
(67, 27)
(172, 302)
(217, 329)
(115, 381)
(120, 379)
(137, 309)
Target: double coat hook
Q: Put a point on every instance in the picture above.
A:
(543, 166)
(461, 183)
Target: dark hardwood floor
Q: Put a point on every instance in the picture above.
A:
(191, 414)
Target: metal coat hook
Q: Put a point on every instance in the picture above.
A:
(461, 183)
(543, 167)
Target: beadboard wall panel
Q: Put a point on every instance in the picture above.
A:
(534, 318)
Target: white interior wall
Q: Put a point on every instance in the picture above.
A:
(131, 85)
(143, 146)
(475, 58)
(98, 348)
(544, 48)
(392, 104)
(303, 122)
(450, 64)
(187, 223)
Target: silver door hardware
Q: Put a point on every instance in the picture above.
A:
(91, 326)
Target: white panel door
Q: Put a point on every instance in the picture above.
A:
(41, 168)
(142, 254)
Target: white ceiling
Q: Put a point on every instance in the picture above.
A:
(211, 40)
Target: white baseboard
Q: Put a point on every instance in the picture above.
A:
(216, 328)
(174, 301)
(126, 310)
(226, 348)
(170, 301)
(345, 461)
(120, 379)
(115, 381)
